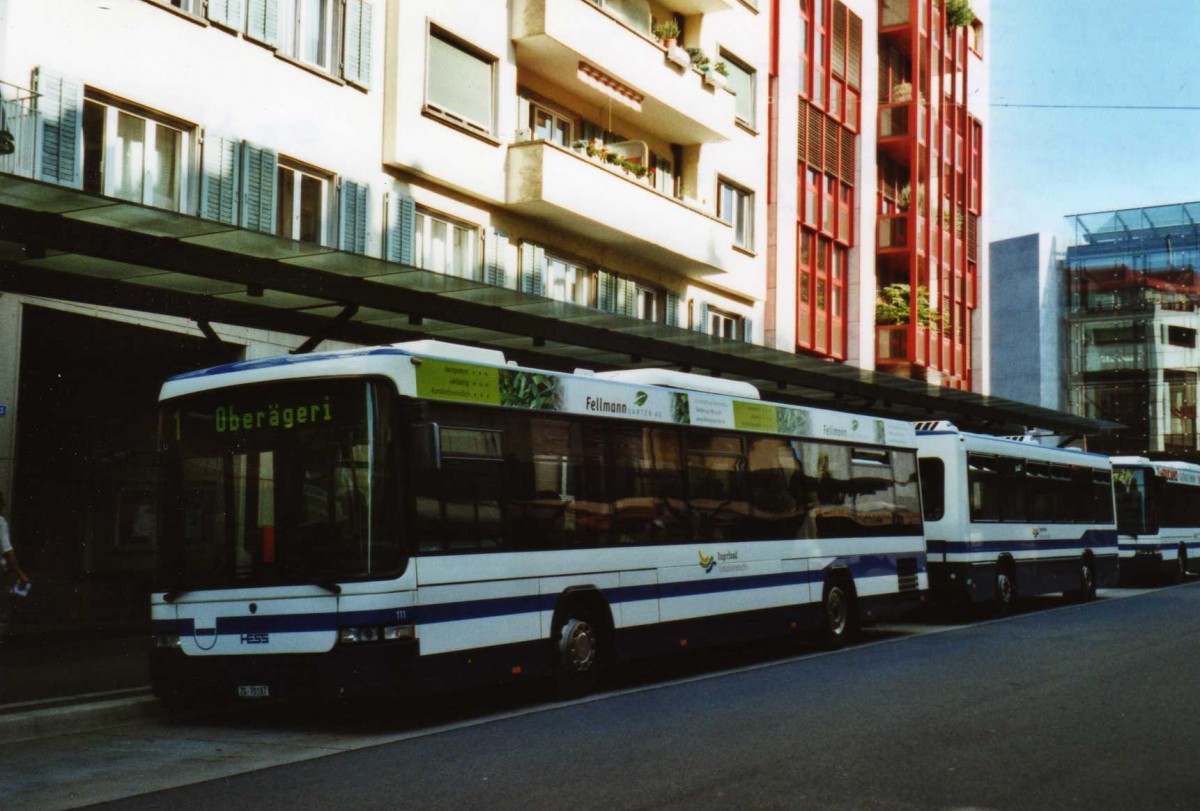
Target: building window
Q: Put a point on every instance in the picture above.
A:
(975, 38)
(645, 303)
(302, 212)
(306, 29)
(736, 207)
(741, 82)
(445, 246)
(723, 325)
(549, 125)
(459, 83)
(133, 156)
(566, 281)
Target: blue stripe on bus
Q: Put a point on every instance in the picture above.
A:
(1091, 539)
(859, 566)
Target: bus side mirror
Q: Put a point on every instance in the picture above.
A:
(425, 446)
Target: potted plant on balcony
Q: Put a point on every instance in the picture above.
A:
(718, 76)
(904, 198)
(959, 14)
(901, 92)
(698, 58)
(667, 32)
(892, 306)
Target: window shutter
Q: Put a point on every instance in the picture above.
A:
(626, 297)
(260, 179)
(606, 297)
(533, 268)
(831, 146)
(801, 131)
(701, 324)
(354, 217)
(402, 229)
(262, 21)
(60, 104)
(672, 307)
(846, 157)
(814, 137)
(854, 52)
(838, 47)
(219, 179)
(748, 330)
(229, 13)
(495, 257)
(356, 49)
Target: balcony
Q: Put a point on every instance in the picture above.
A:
(574, 193)
(891, 345)
(576, 45)
(1118, 357)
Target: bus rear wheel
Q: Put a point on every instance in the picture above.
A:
(577, 655)
(839, 622)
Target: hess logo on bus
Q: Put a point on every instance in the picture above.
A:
(255, 639)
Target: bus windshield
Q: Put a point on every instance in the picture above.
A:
(276, 483)
(1133, 497)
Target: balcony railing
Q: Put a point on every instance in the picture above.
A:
(24, 124)
(892, 232)
(573, 192)
(893, 120)
(893, 13)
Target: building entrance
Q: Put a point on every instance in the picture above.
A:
(83, 497)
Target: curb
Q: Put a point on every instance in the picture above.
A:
(43, 719)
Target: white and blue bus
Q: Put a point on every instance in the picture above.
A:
(1158, 517)
(1008, 516)
(428, 515)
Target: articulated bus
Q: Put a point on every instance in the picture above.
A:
(1007, 517)
(428, 515)
(1158, 517)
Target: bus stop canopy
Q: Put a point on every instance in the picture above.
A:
(62, 243)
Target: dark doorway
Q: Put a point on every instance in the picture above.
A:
(83, 506)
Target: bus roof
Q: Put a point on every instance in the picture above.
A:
(452, 373)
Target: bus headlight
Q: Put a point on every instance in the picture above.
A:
(166, 641)
(355, 634)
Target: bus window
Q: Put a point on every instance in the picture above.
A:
(933, 488)
(776, 509)
(458, 507)
(1102, 497)
(907, 513)
(717, 486)
(1133, 511)
(647, 485)
(1041, 493)
(984, 486)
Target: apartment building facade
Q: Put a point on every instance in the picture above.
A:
(731, 167)
(1133, 317)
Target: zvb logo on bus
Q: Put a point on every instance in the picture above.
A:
(709, 562)
(255, 639)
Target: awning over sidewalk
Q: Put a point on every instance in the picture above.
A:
(62, 243)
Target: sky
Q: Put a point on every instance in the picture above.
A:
(1047, 163)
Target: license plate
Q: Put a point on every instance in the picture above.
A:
(253, 691)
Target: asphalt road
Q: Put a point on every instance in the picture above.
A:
(1090, 706)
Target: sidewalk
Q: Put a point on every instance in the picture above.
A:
(65, 683)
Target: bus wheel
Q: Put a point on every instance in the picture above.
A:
(577, 654)
(839, 622)
(1006, 590)
(1177, 574)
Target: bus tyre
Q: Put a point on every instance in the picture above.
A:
(577, 654)
(837, 611)
(1182, 564)
(1006, 591)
